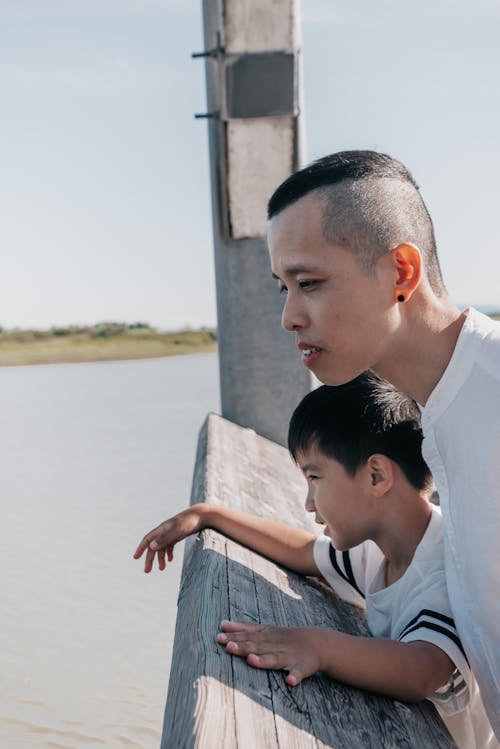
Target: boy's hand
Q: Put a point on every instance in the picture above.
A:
(293, 649)
(161, 540)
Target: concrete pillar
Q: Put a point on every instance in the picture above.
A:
(255, 127)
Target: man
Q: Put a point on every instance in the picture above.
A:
(352, 246)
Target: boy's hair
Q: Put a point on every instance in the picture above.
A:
(371, 204)
(353, 421)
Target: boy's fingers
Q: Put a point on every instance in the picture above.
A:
(258, 649)
(242, 647)
(160, 538)
(264, 660)
(243, 636)
(228, 626)
(161, 559)
(141, 548)
(148, 564)
(294, 677)
(148, 539)
(271, 660)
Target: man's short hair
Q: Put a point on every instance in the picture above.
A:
(371, 204)
(350, 422)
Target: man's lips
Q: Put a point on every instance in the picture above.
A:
(309, 352)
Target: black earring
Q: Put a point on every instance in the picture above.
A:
(401, 298)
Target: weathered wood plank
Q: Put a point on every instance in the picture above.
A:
(254, 726)
(217, 701)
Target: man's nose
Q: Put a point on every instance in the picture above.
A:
(293, 316)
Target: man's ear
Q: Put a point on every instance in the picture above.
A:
(408, 264)
(381, 473)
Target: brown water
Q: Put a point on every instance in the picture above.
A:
(91, 457)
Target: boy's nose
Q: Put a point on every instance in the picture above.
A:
(309, 503)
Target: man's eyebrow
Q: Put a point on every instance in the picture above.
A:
(295, 270)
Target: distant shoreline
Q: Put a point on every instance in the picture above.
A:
(102, 342)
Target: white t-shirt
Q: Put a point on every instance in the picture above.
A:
(461, 425)
(415, 607)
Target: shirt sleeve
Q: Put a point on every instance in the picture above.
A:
(343, 570)
(429, 619)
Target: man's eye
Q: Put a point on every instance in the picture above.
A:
(283, 289)
(306, 284)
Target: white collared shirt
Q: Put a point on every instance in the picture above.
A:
(461, 425)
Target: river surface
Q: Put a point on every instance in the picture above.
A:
(91, 457)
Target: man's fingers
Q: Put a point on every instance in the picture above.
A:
(161, 559)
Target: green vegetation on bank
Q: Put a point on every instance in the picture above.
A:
(105, 341)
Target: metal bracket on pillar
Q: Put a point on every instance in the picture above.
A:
(217, 51)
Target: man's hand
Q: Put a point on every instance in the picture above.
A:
(293, 649)
(161, 540)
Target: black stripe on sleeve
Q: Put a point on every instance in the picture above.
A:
(350, 580)
(434, 615)
(437, 628)
(347, 565)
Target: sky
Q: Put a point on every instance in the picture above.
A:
(105, 208)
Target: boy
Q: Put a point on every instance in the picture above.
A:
(352, 246)
(358, 446)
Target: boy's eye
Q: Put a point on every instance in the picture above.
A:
(283, 289)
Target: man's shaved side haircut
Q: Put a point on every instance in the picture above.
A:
(371, 204)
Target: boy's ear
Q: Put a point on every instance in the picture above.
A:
(409, 269)
(381, 473)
